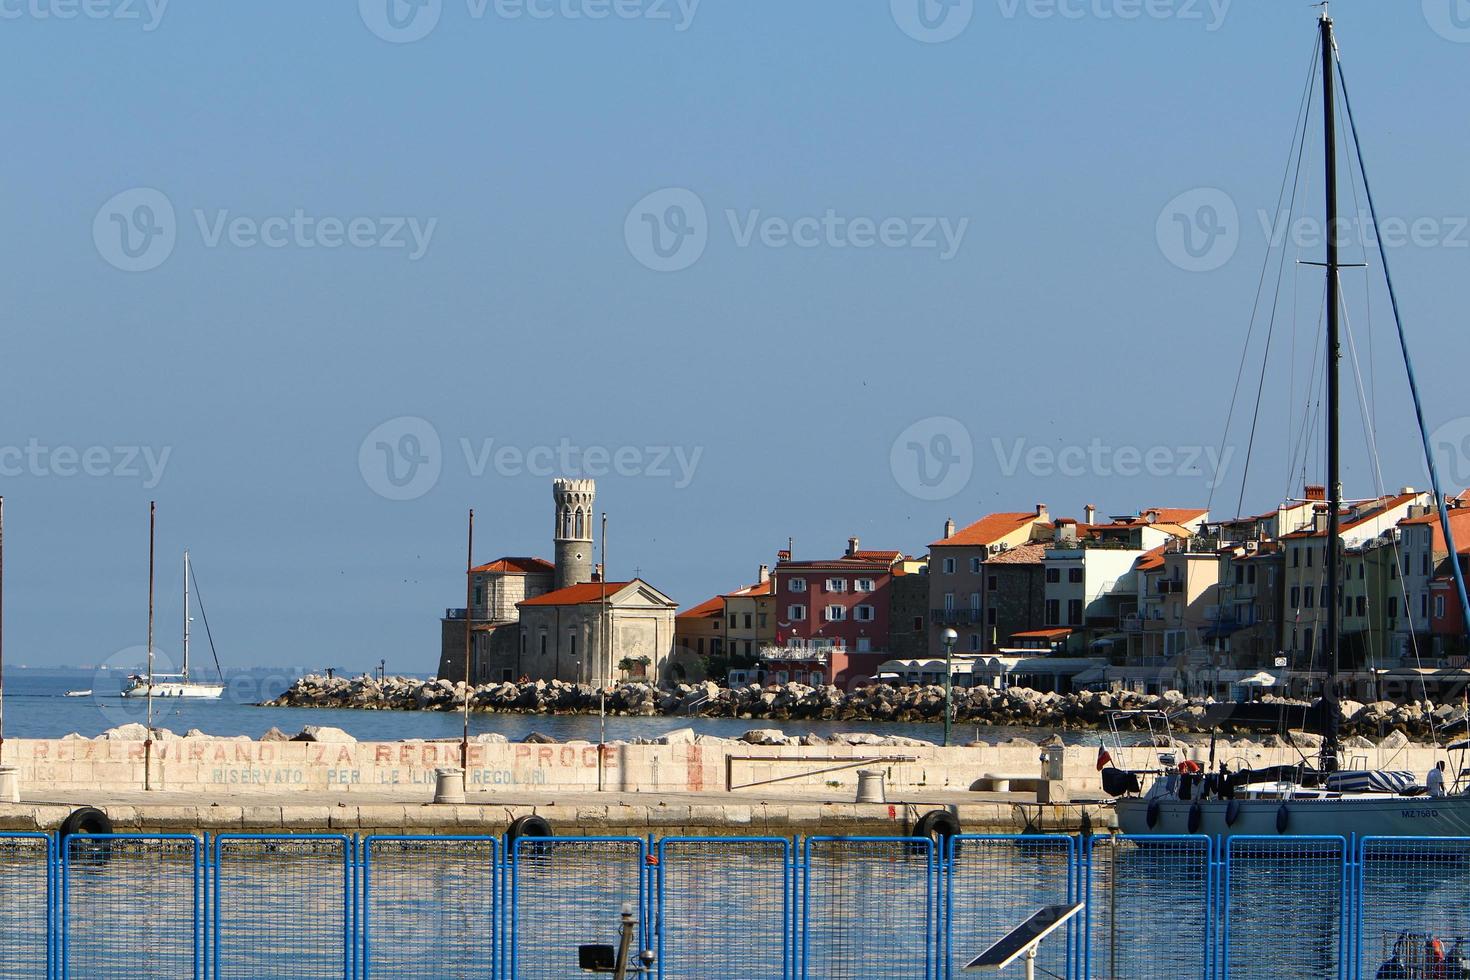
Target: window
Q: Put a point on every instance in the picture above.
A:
(864, 645)
(837, 585)
(974, 642)
(990, 616)
(572, 643)
(1439, 606)
(1053, 612)
(796, 613)
(1362, 606)
(798, 585)
(1074, 612)
(1074, 575)
(1393, 570)
(1310, 597)
(543, 643)
(747, 620)
(1296, 556)
(1309, 556)
(949, 566)
(1296, 597)
(1424, 605)
(975, 601)
(1239, 574)
(1250, 574)
(523, 642)
(948, 601)
(918, 623)
(1309, 637)
(1360, 571)
(991, 584)
(732, 620)
(1425, 563)
(506, 675)
(1053, 576)
(479, 595)
(863, 614)
(863, 585)
(1393, 607)
(699, 646)
(835, 614)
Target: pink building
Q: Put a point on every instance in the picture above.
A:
(832, 617)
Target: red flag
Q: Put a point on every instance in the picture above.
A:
(1104, 758)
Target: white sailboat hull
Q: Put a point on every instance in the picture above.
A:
(1363, 816)
(167, 689)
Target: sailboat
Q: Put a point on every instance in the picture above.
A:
(176, 685)
(1320, 798)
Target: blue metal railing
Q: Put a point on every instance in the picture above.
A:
(753, 908)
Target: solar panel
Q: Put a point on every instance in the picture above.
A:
(1022, 938)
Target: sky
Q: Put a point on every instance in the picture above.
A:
(319, 278)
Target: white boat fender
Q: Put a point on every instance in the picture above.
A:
(1196, 815)
(528, 826)
(1153, 814)
(939, 826)
(1232, 812)
(1283, 817)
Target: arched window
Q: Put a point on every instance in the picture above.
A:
(566, 523)
(579, 522)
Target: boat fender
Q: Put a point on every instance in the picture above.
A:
(527, 826)
(939, 826)
(85, 821)
(1153, 814)
(1283, 817)
(1232, 812)
(1196, 815)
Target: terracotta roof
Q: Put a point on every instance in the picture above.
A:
(1349, 522)
(576, 595)
(1151, 559)
(1459, 524)
(865, 561)
(768, 587)
(1042, 634)
(1025, 554)
(1177, 515)
(709, 607)
(518, 566)
(989, 529)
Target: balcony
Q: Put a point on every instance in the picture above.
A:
(806, 655)
(955, 617)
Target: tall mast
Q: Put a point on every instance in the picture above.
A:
(1332, 553)
(148, 736)
(186, 615)
(2, 629)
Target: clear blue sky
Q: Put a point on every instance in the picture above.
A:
(519, 147)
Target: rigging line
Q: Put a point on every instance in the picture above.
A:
(1439, 497)
(1298, 135)
(1352, 173)
(199, 595)
(1301, 445)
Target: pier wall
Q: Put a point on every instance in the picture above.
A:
(238, 767)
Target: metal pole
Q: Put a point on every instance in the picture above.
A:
(1031, 963)
(469, 631)
(148, 738)
(605, 657)
(948, 687)
(186, 616)
(1334, 356)
(625, 943)
(2, 629)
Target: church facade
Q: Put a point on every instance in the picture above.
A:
(531, 619)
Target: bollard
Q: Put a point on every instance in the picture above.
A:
(9, 784)
(870, 786)
(448, 785)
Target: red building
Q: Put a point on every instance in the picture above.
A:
(832, 617)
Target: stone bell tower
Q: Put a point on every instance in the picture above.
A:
(574, 517)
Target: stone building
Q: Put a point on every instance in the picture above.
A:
(493, 617)
(596, 632)
(958, 593)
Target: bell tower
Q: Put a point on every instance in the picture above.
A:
(574, 515)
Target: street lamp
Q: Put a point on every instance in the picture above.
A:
(950, 637)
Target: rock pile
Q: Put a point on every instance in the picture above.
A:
(796, 702)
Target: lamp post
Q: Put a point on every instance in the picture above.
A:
(950, 637)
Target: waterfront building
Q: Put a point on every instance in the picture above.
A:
(597, 632)
(496, 589)
(959, 594)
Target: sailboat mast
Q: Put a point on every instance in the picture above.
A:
(1332, 553)
(186, 616)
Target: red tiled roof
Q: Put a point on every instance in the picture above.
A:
(1177, 515)
(1151, 559)
(1384, 504)
(518, 566)
(768, 587)
(1459, 524)
(709, 607)
(989, 529)
(576, 595)
(1042, 634)
(1024, 554)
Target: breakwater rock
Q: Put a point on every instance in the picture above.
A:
(796, 702)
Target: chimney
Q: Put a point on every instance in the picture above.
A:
(597, 572)
(1041, 513)
(852, 547)
(1090, 512)
(949, 529)
(764, 576)
(1316, 492)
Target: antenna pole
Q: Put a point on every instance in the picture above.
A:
(1332, 552)
(148, 737)
(469, 624)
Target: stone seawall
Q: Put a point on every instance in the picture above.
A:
(984, 706)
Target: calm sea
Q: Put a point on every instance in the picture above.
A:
(37, 706)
